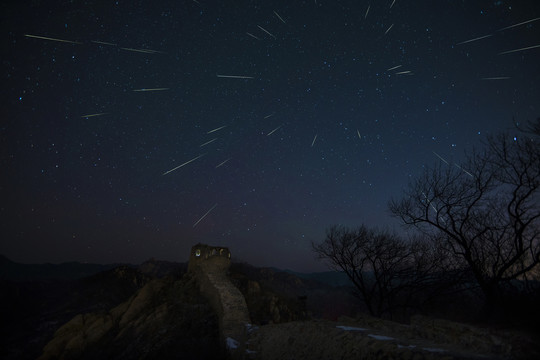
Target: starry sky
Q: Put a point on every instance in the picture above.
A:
(277, 118)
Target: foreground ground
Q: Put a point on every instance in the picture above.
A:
(155, 311)
(368, 338)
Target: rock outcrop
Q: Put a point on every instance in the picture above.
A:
(167, 318)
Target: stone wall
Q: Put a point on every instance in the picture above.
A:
(226, 300)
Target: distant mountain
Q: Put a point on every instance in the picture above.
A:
(320, 298)
(159, 268)
(10, 270)
(332, 278)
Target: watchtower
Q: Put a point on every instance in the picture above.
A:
(218, 256)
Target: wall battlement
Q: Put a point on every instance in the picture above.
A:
(209, 254)
(209, 264)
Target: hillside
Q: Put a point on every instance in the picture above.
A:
(37, 299)
(155, 311)
(10, 270)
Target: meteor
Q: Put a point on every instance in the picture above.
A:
(235, 76)
(273, 131)
(253, 36)
(521, 23)
(462, 169)
(429, 202)
(440, 157)
(497, 78)
(208, 212)
(217, 129)
(475, 39)
(222, 163)
(154, 89)
(279, 17)
(51, 39)
(92, 115)
(145, 51)
(179, 166)
(103, 43)
(208, 142)
(522, 49)
(266, 31)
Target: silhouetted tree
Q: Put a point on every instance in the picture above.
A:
(386, 270)
(486, 211)
(531, 128)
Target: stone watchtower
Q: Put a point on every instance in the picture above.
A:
(209, 264)
(219, 257)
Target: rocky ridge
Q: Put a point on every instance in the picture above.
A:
(166, 319)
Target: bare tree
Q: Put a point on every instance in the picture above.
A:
(531, 128)
(487, 211)
(386, 270)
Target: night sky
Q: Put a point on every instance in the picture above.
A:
(344, 102)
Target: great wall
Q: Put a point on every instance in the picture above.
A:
(209, 264)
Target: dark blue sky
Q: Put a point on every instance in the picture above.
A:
(321, 133)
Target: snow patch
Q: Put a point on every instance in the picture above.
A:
(350, 328)
(380, 337)
(406, 347)
(250, 328)
(231, 343)
(434, 350)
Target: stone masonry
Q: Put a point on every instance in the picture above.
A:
(209, 264)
